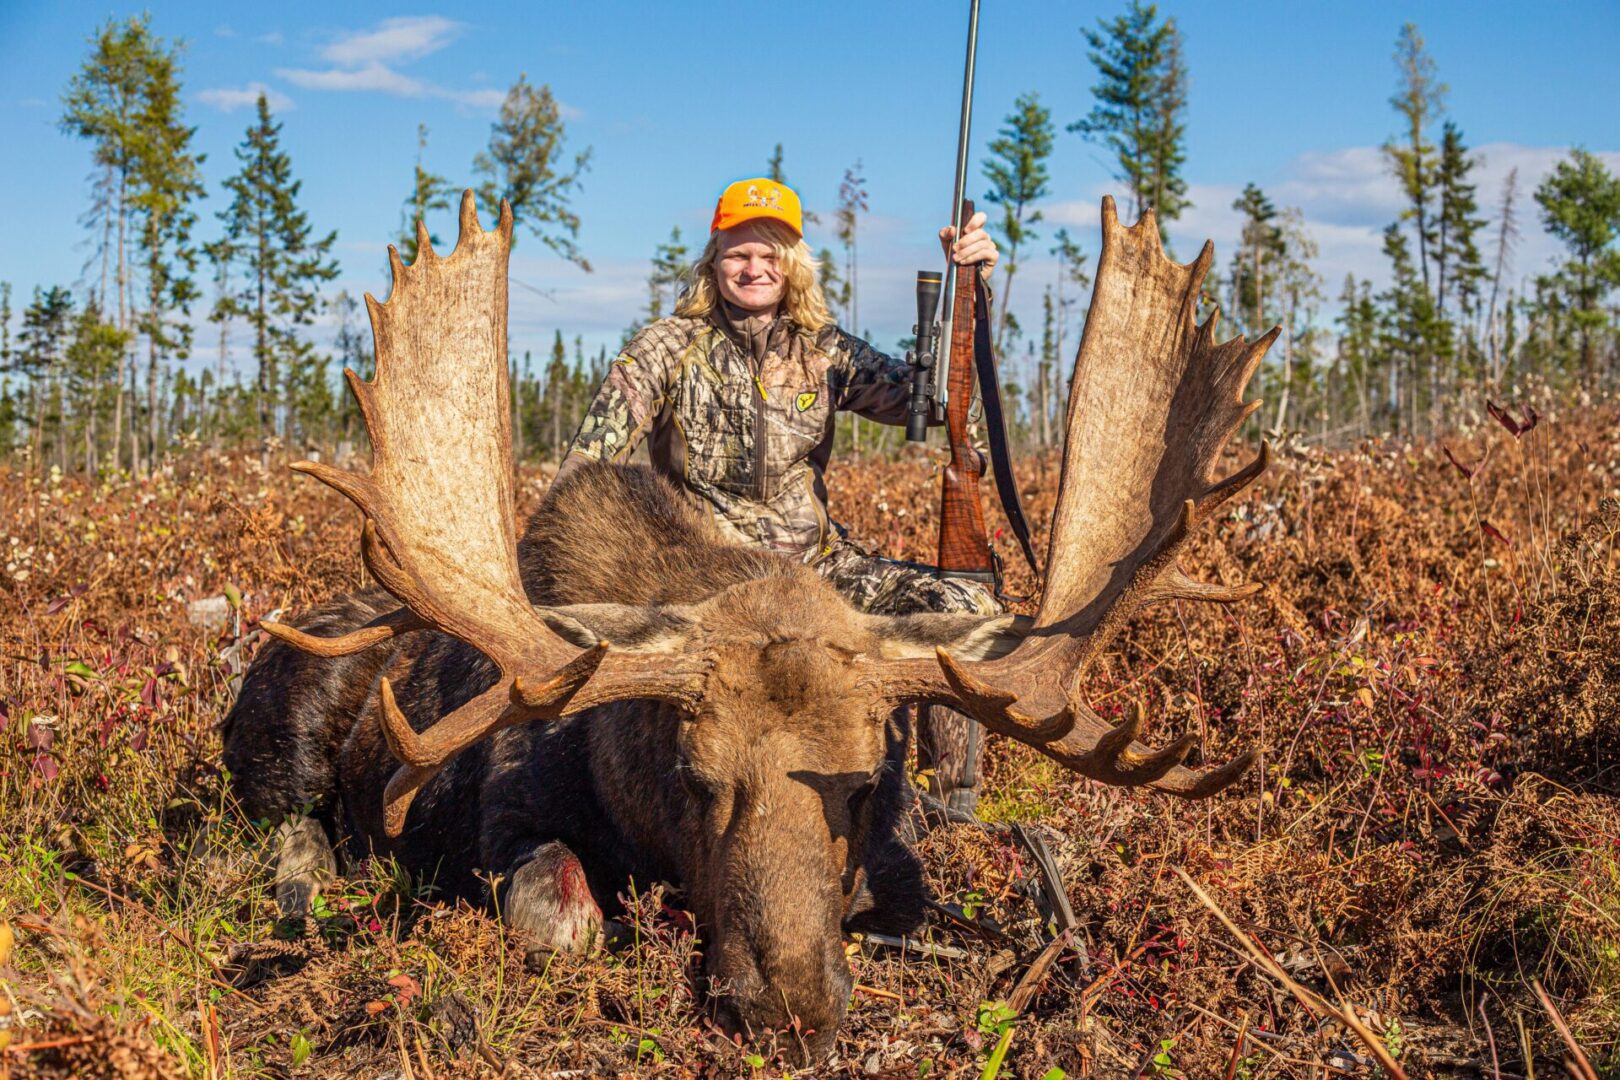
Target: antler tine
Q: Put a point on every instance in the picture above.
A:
(1125, 508)
(375, 632)
(439, 527)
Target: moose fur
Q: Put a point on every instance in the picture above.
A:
(777, 809)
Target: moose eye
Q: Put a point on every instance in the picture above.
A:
(694, 785)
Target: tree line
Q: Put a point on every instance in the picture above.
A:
(96, 381)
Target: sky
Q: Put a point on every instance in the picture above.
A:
(675, 100)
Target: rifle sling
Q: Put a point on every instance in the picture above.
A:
(995, 424)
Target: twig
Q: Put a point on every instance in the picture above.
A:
(1030, 984)
(1309, 998)
(1237, 1046)
(1581, 1062)
(1490, 1039)
(49, 1044)
(874, 991)
(927, 948)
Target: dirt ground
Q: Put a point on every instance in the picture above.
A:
(1431, 675)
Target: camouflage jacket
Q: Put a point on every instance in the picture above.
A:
(742, 417)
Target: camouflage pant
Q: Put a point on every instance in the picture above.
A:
(947, 748)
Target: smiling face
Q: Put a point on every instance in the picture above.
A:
(748, 269)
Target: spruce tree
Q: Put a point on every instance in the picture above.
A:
(91, 363)
(164, 180)
(282, 265)
(670, 262)
(1018, 178)
(105, 102)
(429, 192)
(1407, 328)
(1262, 244)
(846, 220)
(41, 352)
(1139, 116)
(1580, 207)
(525, 165)
(1419, 99)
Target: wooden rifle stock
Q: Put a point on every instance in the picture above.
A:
(964, 546)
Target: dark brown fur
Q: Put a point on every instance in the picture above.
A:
(775, 807)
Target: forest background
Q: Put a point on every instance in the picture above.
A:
(198, 201)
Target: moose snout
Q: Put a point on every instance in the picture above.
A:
(801, 1022)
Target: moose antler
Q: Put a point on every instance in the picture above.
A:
(439, 529)
(1153, 402)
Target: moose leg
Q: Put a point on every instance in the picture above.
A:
(304, 863)
(949, 747)
(547, 896)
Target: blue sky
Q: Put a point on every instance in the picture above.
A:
(674, 100)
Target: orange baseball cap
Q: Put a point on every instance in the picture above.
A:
(760, 197)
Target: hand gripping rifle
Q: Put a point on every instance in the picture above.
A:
(964, 547)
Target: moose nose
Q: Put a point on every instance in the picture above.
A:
(765, 1026)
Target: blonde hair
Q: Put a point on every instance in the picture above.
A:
(802, 298)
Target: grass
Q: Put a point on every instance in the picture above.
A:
(1433, 820)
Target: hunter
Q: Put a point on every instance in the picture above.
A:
(737, 393)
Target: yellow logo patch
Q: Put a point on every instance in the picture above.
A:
(805, 400)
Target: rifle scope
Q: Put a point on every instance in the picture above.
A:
(924, 357)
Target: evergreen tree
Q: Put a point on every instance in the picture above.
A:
(670, 262)
(774, 170)
(1459, 269)
(106, 102)
(5, 324)
(1407, 328)
(1580, 206)
(283, 266)
(524, 165)
(1419, 99)
(429, 192)
(91, 363)
(1141, 97)
(41, 351)
(164, 180)
(1072, 273)
(1018, 178)
(555, 406)
(1262, 241)
(851, 205)
(1358, 357)
(1299, 290)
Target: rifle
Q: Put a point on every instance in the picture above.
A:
(964, 546)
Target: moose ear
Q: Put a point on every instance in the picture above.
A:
(626, 627)
(965, 636)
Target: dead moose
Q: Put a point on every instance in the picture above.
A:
(621, 694)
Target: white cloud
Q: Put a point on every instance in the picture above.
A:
(399, 39)
(366, 61)
(272, 38)
(230, 98)
(376, 77)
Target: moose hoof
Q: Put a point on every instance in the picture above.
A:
(549, 899)
(304, 863)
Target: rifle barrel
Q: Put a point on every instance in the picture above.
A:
(962, 147)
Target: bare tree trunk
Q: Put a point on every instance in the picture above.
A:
(152, 415)
(134, 427)
(123, 326)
